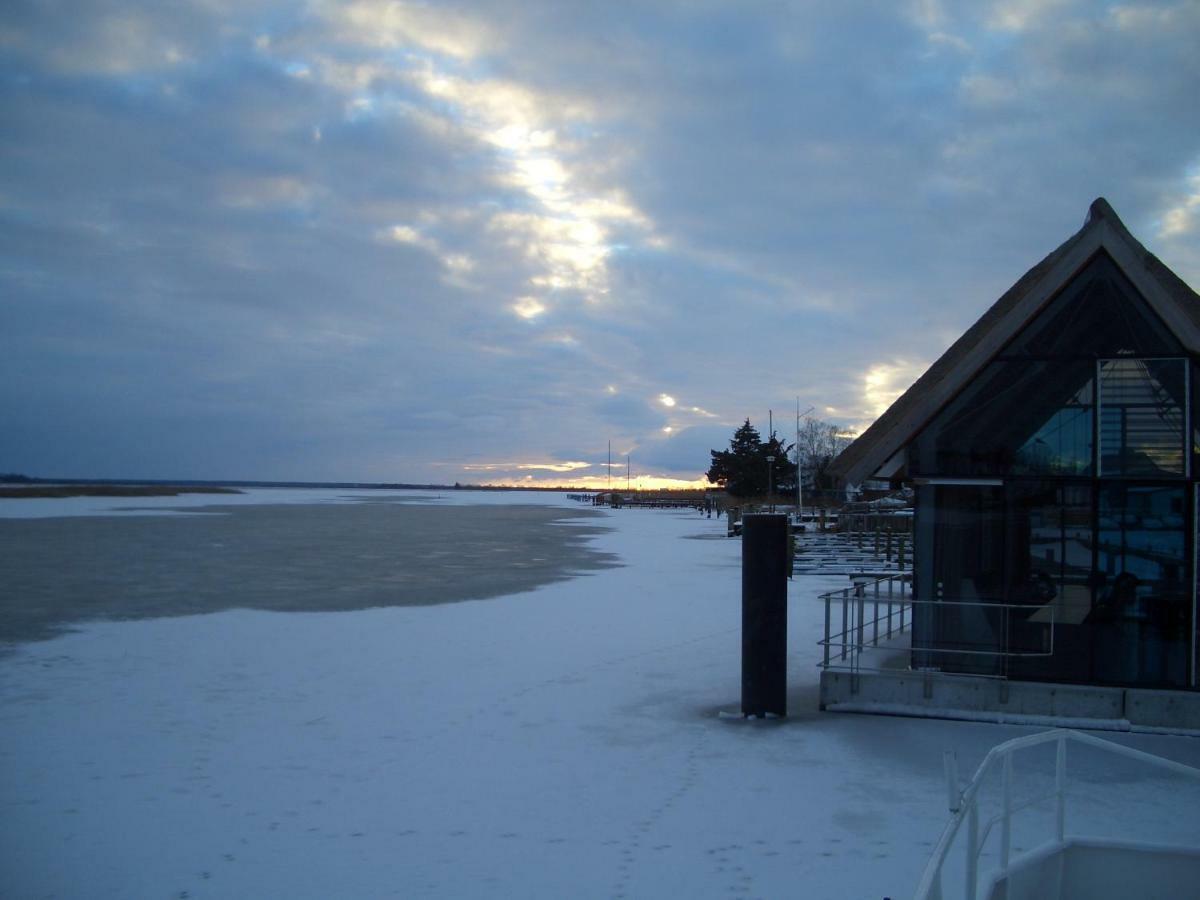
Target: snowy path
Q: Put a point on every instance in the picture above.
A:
(558, 743)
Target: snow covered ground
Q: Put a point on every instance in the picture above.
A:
(559, 743)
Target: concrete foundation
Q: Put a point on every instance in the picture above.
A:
(938, 695)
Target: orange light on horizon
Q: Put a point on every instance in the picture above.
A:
(601, 483)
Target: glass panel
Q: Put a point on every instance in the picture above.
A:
(1019, 417)
(1100, 313)
(1142, 600)
(1194, 373)
(961, 550)
(1063, 445)
(1142, 417)
(1050, 572)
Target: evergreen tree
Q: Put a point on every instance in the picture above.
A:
(742, 469)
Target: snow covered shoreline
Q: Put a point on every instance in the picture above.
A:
(563, 742)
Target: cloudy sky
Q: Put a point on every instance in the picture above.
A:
(478, 241)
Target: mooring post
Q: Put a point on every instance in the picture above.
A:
(764, 615)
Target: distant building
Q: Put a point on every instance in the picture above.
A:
(1055, 453)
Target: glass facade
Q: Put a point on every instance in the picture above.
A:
(1056, 509)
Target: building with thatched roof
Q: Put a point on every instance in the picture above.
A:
(1055, 452)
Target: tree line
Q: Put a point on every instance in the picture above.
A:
(750, 463)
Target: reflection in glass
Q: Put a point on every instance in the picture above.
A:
(963, 566)
(1063, 444)
(1141, 610)
(1142, 417)
(1050, 568)
(1018, 417)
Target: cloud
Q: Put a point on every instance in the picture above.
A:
(885, 381)
(382, 240)
(1182, 215)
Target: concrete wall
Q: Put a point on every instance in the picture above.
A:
(948, 696)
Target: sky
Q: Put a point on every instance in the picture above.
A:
(478, 242)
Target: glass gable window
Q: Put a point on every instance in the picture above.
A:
(1099, 314)
(1142, 417)
(1019, 417)
(1095, 366)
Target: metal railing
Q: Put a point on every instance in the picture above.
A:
(890, 593)
(964, 805)
(873, 613)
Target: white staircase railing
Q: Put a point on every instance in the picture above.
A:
(964, 805)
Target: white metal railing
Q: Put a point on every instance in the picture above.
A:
(890, 593)
(964, 804)
(873, 613)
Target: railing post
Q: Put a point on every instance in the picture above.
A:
(1060, 789)
(845, 623)
(860, 594)
(889, 602)
(825, 664)
(950, 768)
(1006, 822)
(875, 615)
(972, 867)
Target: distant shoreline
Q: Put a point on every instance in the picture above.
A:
(60, 491)
(9, 482)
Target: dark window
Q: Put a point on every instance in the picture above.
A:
(1050, 579)
(960, 551)
(1142, 605)
(1060, 581)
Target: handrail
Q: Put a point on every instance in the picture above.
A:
(852, 640)
(967, 807)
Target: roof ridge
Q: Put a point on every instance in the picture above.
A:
(1102, 209)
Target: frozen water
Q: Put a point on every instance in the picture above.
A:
(562, 742)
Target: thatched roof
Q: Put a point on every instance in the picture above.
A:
(1176, 303)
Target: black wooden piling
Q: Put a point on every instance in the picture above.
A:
(764, 615)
